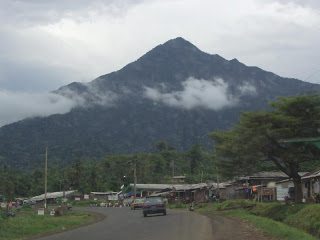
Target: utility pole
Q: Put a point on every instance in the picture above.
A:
(135, 178)
(218, 188)
(173, 168)
(201, 176)
(45, 178)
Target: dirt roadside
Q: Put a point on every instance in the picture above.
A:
(229, 228)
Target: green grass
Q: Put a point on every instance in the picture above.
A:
(27, 223)
(271, 227)
(85, 203)
(276, 211)
(234, 204)
(177, 205)
(307, 219)
(278, 220)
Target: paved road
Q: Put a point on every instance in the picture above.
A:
(123, 224)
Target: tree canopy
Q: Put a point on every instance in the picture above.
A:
(88, 175)
(257, 139)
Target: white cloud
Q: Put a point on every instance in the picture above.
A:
(247, 89)
(16, 106)
(91, 96)
(45, 44)
(196, 93)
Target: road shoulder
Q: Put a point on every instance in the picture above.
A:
(226, 228)
(96, 217)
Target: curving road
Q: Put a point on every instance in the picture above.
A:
(123, 224)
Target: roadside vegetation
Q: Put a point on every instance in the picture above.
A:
(282, 221)
(87, 175)
(250, 146)
(178, 205)
(27, 223)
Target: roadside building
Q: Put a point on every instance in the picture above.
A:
(104, 196)
(220, 191)
(52, 197)
(175, 192)
(311, 186)
(198, 193)
(285, 188)
(178, 179)
(260, 186)
(148, 189)
(262, 178)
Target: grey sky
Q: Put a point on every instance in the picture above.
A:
(49, 43)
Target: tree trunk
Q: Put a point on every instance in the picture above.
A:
(298, 195)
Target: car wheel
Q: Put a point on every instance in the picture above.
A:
(164, 213)
(144, 214)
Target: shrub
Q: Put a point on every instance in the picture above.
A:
(177, 205)
(276, 211)
(307, 219)
(234, 204)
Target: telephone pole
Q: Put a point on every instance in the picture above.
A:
(173, 168)
(218, 188)
(135, 179)
(45, 178)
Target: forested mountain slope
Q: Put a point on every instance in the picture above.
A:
(175, 92)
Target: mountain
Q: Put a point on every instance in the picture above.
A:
(175, 92)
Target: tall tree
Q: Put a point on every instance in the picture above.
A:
(195, 156)
(258, 137)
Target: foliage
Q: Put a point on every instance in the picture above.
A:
(178, 205)
(26, 223)
(258, 138)
(276, 219)
(85, 203)
(107, 174)
(276, 211)
(234, 204)
(271, 227)
(307, 219)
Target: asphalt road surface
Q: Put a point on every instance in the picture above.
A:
(123, 224)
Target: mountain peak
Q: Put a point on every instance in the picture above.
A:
(173, 48)
(179, 43)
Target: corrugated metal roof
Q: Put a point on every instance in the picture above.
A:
(312, 174)
(160, 194)
(185, 187)
(303, 175)
(265, 174)
(221, 185)
(178, 177)
(177, 187)
(53, 195)
(103, 193)
(152, 186)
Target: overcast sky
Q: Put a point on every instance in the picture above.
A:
(48, 43)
